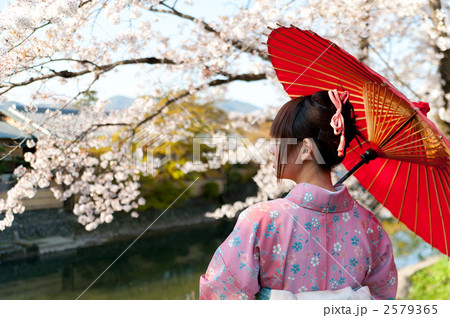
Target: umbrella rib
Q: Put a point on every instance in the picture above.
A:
(309, 67)
(359, 103)
(448, 187)
(313, 62)
(323, 88)
(429, 205)
(368, 111)
(398, 120)
(395, 133)
(302, 84)
(384, 118)
(349, 59)
(299, 95)
(392, 183)
(404, 193)
(373, 112)
(406, 136)
(323, 48)
(420, 146)
(317, 78)
(427, 146)
(392, 114)
(409, 135)
(430, 150)
(440, 209)
(428, 161)
(417, 199)
(305, 75)
(305, 85)
(387, 122)
(412, 155)
(369, 100)
(447, 178)
(377, 110)
(378, 173)
(356, 147)
(362, 129)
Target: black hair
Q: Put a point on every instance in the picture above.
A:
(310, 117)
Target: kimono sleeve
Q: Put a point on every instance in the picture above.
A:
(233, 270)
(382, 277)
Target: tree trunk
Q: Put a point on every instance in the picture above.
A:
(364, 39)
(444, 63)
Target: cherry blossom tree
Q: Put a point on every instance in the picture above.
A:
(46, 44)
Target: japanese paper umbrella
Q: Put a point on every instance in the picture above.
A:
(403, 161)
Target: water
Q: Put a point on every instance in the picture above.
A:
(165, 266)
(410, 249)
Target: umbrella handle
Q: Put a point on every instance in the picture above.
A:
(369, 155)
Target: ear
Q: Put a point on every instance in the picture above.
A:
(306, 150)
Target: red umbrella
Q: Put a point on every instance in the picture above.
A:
(409, 168)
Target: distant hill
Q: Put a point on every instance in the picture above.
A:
(237, 106)
(10, 103)
(119, 102)
(41, 108)
(19, 104)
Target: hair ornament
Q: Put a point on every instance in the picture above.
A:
(337, 121)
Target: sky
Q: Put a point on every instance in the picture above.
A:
(125, 81)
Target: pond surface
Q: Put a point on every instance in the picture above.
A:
(163, 266)
(408, 248)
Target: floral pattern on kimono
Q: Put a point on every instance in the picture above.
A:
(312, 239)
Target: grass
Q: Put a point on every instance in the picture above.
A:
(432, 282)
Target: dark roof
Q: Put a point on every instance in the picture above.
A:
(39, 122)
(8, 131)
(41, 108)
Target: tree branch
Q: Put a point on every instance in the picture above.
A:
(95, 127)
(102, 68)
(217, 82)
(235, 43)
(28, 36)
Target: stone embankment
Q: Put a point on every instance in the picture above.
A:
(56, 230)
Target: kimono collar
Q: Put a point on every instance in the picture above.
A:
(318, 199)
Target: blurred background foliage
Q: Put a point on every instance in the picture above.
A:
(432, 282)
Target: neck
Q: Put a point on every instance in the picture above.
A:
(313, 175)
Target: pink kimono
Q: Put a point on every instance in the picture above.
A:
(312, 239)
